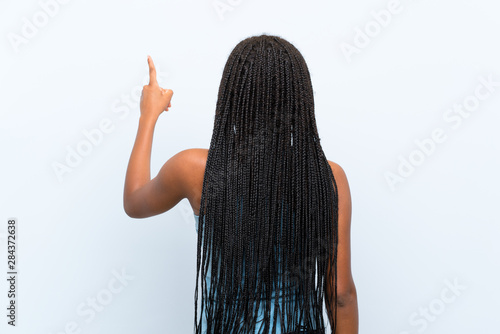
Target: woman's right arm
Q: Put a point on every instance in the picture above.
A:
(347, 301)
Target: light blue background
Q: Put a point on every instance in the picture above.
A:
(84, 63)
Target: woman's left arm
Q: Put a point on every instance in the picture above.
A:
(143, 197)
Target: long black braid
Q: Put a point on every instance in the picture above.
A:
(268, 212)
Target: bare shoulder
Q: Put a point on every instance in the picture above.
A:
(192, 162)
(338, 172)
(193, 155)
(343, 188)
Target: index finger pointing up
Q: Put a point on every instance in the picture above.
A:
(152, 71)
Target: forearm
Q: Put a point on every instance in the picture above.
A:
(347, 315)
(138, 170)
(347, 311)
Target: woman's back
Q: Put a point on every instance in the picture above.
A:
(198, 161)
(276, 297)
(269, 203)
(274, 213)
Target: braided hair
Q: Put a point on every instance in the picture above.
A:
(268, 213)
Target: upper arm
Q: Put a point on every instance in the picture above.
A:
(345, 282)
(163, 192)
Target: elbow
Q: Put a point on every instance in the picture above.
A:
(131, 215)
(347, 296)
(130, 209)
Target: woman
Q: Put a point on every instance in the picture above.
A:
(273, 213)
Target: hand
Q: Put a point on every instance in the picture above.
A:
(154, 99)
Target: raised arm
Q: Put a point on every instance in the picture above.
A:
(143, 197)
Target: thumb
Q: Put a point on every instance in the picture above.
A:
(167, 92)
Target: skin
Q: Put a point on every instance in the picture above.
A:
(182, 177)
